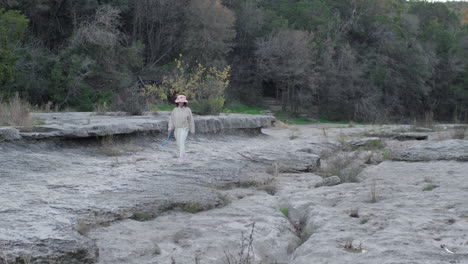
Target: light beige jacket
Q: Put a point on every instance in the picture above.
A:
(181, 117)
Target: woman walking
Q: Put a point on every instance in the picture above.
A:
(181, 122)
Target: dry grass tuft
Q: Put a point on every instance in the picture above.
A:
(343, 165)
(246, 253)
(109, 146)
(349, 247)
(101, 109)
(15, 112)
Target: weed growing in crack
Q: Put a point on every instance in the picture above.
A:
(295, 132)
(194, 207)
(354, 213)
(324, 132)
(109, 147)
(141, 216)
(349, 247)
(284, 211)
(430, 187)
(386, 154)
(245, 254)
(225, 200)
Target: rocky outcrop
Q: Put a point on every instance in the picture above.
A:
(453, 149)
(361, 142)
(9, 133)
(411, 136)
(53, 191)
(81, 125)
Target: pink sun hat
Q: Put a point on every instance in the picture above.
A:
(181, 99)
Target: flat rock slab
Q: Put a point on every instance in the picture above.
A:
(361, 142)
(453, 149)
(82, 124)
(285, 160)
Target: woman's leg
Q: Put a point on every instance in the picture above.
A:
(181, 135)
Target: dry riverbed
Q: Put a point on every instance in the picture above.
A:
(297, 194)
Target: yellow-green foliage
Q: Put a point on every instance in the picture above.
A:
(204, 87)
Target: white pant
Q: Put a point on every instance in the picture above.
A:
(181, 134)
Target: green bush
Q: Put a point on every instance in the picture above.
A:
(88, 98)
(12, 27)
(209, 106)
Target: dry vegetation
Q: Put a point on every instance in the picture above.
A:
(15, 112)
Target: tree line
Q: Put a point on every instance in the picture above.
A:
(361, 60)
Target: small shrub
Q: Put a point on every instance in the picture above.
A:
(348, 246)
(109, 147)
(354, 213)
(15, 112)
(345, 145)
(142, 216)
(225, 200)
(350, 174)
(193, 207)
(430, 187)
(210, 106)
(101, 109)
(342, 166)
(386, 154)
(294, 133)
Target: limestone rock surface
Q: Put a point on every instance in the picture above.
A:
(453, 149)
(9, 133)
(81, 125)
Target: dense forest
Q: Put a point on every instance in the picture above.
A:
(361, 60)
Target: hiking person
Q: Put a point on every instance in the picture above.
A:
(181, 122)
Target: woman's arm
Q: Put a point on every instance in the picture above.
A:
(191, 122)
